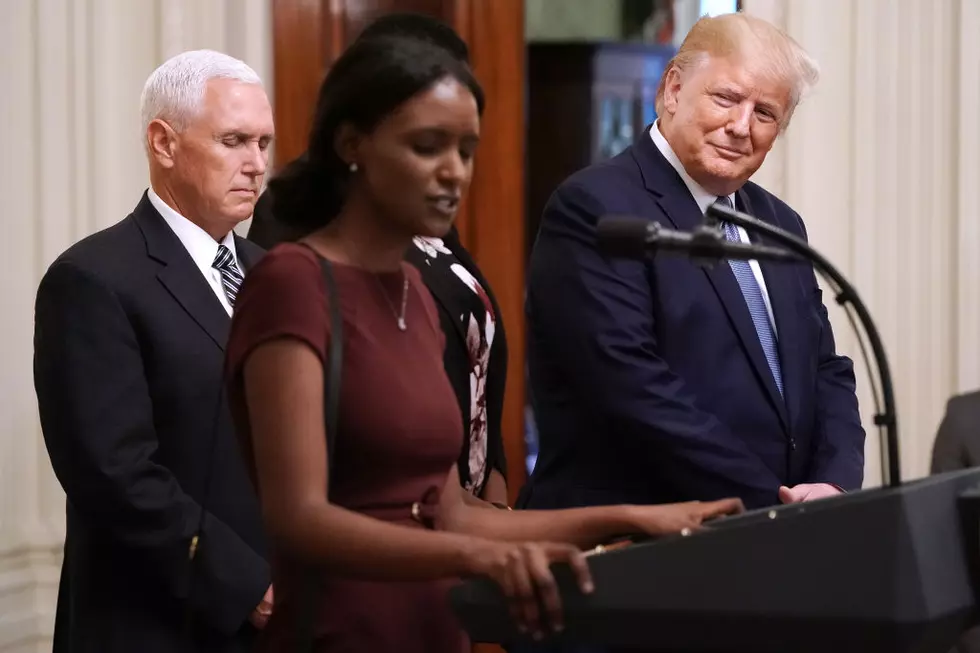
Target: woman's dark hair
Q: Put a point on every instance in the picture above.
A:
(421, 27)
(371, 79)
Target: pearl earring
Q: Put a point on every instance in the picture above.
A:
(353, 167)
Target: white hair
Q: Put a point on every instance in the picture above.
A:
(175, 91)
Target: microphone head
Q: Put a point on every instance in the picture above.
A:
(625, 237)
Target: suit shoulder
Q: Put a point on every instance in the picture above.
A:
(106, 254)
(968, 402)
(607, 185)
(618, 171)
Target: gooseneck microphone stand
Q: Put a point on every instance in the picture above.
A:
(886, 418)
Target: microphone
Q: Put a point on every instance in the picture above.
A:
(637, 238)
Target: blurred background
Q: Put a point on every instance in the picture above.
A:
(881, 160)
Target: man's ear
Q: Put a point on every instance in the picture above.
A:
(672, 88)
(161, 142)
(347, 142)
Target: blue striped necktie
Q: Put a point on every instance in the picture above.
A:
(231, 276)
(755, 302)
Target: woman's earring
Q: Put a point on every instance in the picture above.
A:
(353, 167)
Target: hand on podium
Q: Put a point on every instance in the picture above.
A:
(522, 570)
(667, 519)
(807, 492)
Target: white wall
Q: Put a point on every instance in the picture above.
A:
(71, 76)
(882, 161)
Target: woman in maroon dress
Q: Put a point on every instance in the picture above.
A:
(390, 156)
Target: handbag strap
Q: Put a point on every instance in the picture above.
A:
(335, 364)
(332, 381)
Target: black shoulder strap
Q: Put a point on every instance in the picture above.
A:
(331, 385)
(335, 363)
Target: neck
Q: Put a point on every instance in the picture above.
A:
(358, 238)
(166, 192)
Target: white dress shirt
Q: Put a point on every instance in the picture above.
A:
(705, 199)
(199, 244)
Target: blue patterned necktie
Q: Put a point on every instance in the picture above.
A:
(755, 301)
(231, 276)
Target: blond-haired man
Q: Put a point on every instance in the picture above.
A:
(660, 380)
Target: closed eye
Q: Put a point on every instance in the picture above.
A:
(765, 114)
(725, 99)
(238, 139)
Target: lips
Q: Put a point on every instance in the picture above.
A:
(444, 204)
(728, 152)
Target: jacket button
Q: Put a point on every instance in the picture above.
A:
(792, 444)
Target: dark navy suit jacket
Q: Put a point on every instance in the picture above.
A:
(648, 380)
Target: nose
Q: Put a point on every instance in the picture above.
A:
(740, 120)
(256, 161)
(453, 170)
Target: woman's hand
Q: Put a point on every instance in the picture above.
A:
(522, 570)
(670, 518)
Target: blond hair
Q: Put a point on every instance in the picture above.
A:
(754, 40)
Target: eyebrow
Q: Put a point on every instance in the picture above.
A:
(441, 132)
(729, 90)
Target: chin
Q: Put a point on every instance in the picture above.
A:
(239, 213)
(724, 175)
(435, 228)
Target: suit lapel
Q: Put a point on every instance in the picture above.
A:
(180, 275)
(783, 288)
(679, 206)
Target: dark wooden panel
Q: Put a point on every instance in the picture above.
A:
(308, 35)
(495, 32)
(298, 50)
(362, 12)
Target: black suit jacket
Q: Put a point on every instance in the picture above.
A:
(267, 232)
(128, 358)
(957, 446)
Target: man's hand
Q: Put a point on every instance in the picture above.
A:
(260, 616)
(807, 492)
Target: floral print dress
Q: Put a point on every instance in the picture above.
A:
(478, 322)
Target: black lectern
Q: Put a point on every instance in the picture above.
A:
(888, 570)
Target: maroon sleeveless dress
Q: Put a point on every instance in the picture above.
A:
(400, 432)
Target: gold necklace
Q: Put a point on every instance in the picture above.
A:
(399, 316)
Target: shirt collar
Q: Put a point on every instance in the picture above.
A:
(198, 243)
(703, 198)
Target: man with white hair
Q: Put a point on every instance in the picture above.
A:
(164, 549)
(661, 380)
